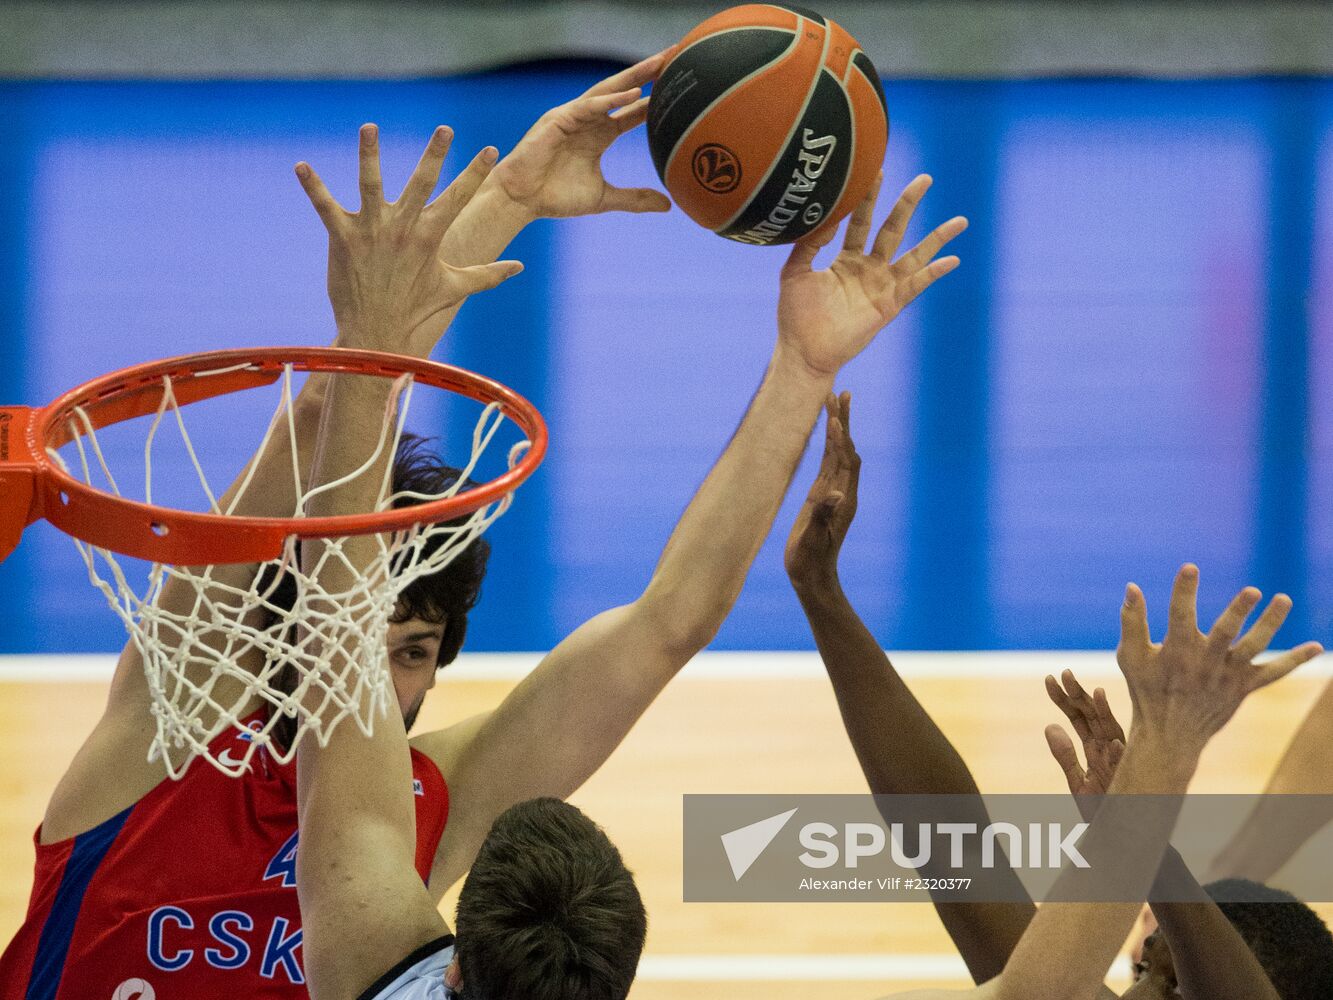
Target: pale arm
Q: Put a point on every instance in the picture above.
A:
(111, 770)
(565, 719)
(1184, 690)
(1068, 947)
(1210, 958)
(555, 170)
(363, 905)
(1263, 845)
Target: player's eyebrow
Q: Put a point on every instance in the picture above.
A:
(421, 636)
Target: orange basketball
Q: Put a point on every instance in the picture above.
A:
(768, 124)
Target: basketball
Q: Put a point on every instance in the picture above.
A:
(768, 124)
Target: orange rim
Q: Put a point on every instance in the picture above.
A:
(167, 535)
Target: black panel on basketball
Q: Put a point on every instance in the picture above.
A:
(803, 11)
(700, 75)
(862, 62)
(808, 177)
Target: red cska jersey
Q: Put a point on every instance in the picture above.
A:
(190, 894)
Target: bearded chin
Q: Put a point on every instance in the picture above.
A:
(410, 719)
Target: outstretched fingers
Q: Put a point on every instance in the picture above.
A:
(642, 72)
(1278, 667)
(921, 255)
(1232, 620)
(1182, 615)
(858, 228)
(369, 180)
(441, 213)
(427, 173)
(1084, 703)
(594, 108)
(1063, 750)
(631, 116)
(330, 212)
(891, 234)
(1134, 633)
(926, 277)
(1058, 696)
(1068, 699)
(1261, 633)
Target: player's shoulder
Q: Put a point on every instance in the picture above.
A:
(445, 747)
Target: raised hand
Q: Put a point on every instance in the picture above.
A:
(829, 316)
(812, 550)
(555, 171)
(1097, 728)
(387, 283)
(1185, 688)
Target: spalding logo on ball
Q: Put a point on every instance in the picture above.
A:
(768, 124)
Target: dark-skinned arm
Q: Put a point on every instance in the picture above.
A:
(900, 748)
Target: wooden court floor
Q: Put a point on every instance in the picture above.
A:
(714, 735)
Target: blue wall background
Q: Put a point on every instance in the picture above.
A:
(1128, 371)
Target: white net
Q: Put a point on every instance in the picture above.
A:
(230, 649)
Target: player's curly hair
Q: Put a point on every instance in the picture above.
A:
(1292, 944)
(549, 911)
(446, 596)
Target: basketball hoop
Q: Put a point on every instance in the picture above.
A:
(213, 659)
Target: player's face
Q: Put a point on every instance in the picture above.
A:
(1154, 973)
(414, 648)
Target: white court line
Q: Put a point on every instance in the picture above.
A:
(887, 970)
(1030, 664)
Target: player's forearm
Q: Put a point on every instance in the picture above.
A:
(708, 556)
(353, 773)
(1211, 959)
(901, 749)
(1265, 842)
(353, 404)
(903, 752)
(1069, 946)
(362, 902)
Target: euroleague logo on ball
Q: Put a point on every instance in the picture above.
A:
(716, 168)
